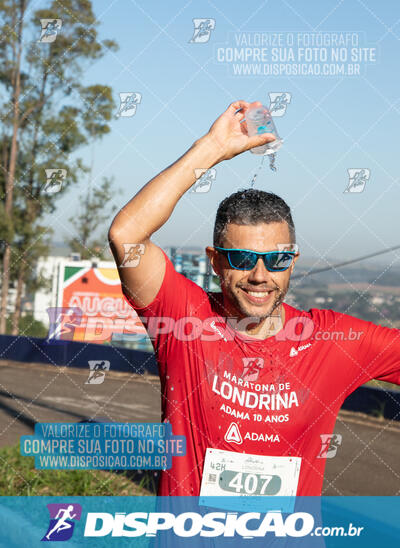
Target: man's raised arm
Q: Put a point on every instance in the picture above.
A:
(140, 262)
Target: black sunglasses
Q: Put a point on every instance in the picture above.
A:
(245, 259)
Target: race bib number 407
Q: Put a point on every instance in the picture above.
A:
(227, 473)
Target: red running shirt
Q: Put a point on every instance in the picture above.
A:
(296, 386)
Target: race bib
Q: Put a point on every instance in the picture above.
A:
(227, 474)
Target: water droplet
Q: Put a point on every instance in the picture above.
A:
(257, 172)
(172, 387)
(272, 158)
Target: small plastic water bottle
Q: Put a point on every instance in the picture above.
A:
(259, 120)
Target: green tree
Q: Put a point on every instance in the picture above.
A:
(47, 115)
(30, 243)
(94, 211)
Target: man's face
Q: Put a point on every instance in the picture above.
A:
(257, 292)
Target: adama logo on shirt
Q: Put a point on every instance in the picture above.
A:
(233, 434)
(294, 352)
(216, 330)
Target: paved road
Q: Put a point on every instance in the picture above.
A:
(367, 462)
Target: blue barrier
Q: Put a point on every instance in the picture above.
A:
(374, 401)
(75, 354)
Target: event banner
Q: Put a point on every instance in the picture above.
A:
(166, 522)
(91, 306)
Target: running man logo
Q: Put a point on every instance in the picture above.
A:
(133, 253)
(54, 180)
(98, 370)
(63, 321)
(204, 178)
(202, 30)
(50, 28)
(279, 102)
(233, 434)
(252, 368)
(358, 178)
(329, 445)
(128, 104)
(61, 524)
(303, 394)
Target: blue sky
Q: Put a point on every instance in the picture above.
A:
(333, 123)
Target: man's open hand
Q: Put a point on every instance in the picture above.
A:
(229, 135)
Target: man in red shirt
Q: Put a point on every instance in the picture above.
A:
(254, 384)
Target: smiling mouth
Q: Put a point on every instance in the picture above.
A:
(257, 296)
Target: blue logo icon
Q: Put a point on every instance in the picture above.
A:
(62, 522)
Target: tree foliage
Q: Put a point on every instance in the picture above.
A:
(89, 222)
(47, 116)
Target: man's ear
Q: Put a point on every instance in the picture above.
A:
(213, 254)
(294, 261)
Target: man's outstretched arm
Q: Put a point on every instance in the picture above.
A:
(152, 206)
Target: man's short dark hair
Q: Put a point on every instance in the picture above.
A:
(251, 207)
